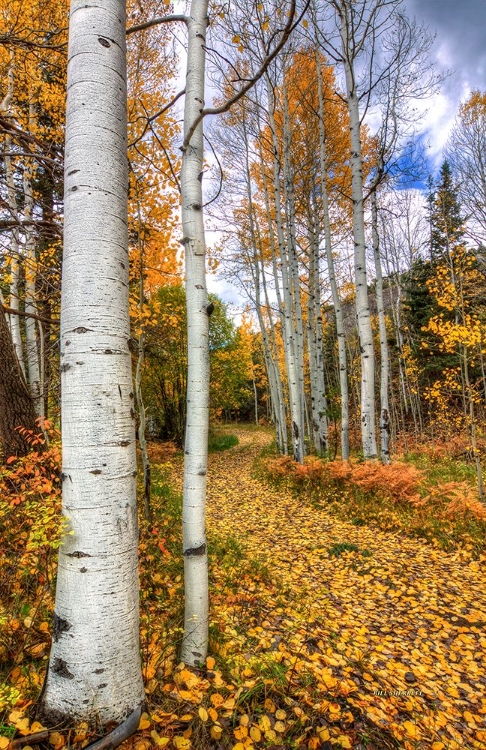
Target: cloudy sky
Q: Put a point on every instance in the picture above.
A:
(460, 48)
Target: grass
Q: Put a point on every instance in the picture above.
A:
(221, 442)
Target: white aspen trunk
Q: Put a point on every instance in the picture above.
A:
(384, 358)
(368, 430)
(272, 337)
(30, 265)
(282, 416)
(14, 251)
(338, 311)
(271, 366)
(14, 304)
(13, 320)
(292, 249)
(142, 421)
(316, 355)
(94, 670)
(255, 394)
(289, 337)
(195, 640)
(142, 427)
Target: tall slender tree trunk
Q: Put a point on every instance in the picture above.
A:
(32, 344)
(290, 334)
(384, 358)
(292, 250)
(271, 364)
(272, 336)
(14, 249)
(472, 425)
(316, 356)
(338, 311)
(142, 415)
(195, 640)
(94, 669)
(368, 430)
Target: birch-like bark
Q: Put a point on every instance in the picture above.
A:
(384, 357)
(271, 364)
(316, 355)
(338, 311)
(14, 250)
(14, 322)
(368, 430)
(195, 640)
(274, 357)
(142, 425)
(272, 336)
(290, 333)
(30, 265)
(289, 177)
(94, 670)
(142, 416)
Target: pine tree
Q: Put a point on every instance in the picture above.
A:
(446, 222)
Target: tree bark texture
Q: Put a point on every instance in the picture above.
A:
(195, 640)
(338, 311)
(94, 669)
(384, 358)
(16, 406)
(368, 430)
(290, 334)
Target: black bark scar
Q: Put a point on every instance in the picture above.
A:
(195, 551)
(60, 626)
(60, 667)
(77, 554)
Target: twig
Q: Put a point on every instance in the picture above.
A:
(120, 734)
(12, 311)
(30, 739)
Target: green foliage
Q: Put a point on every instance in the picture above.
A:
(164, 375)
(221, 442)
(447, 224)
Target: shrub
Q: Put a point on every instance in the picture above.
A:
(398, 482)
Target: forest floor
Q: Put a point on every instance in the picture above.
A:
(323, 634)
(379, 644)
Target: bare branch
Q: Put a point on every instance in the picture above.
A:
(150, 120)
(251, 81)
(156, 22)
(51, 321)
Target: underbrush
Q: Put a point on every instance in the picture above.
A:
(31, 532)
(432, 499)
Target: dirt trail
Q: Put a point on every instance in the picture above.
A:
(398, 615)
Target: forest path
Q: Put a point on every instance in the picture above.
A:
(395, 630)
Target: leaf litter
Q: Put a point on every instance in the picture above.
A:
(323, 634)
(380, 645)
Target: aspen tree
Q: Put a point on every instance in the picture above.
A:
(384, 358)
(32, 344)
(14, 322)
(94, 669)
(350, 47)
(338, 312)
(195, 641)
(199, 308)
(287, 264)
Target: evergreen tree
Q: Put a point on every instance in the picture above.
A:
(446, 222)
